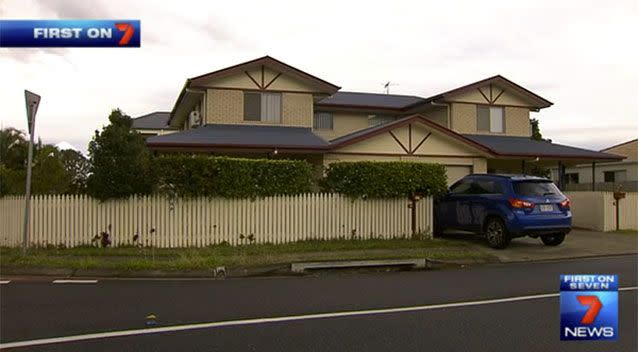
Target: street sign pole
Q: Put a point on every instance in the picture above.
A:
(32, 101)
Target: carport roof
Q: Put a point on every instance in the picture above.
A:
(527, 147)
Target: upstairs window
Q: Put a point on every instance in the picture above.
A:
(490, 119)
(264, 107)
(323, 121)
(375, 120)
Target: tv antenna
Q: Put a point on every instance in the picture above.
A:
(387, 85)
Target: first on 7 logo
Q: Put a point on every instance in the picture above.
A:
(594, 308)
(122, 33)
(589, 307)
(128, 30)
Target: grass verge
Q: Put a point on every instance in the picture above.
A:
(181, 259)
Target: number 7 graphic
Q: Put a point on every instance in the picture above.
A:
(128, 32)
(594, 307)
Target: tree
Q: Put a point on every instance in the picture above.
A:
(120, 161)
(54, 171)
(49, 174)
(78, 168)
(536, 131)
(13, 148)
(536, 135)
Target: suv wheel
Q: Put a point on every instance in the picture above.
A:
(553, 239)
(496, 233)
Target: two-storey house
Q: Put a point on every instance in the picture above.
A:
(266, 108)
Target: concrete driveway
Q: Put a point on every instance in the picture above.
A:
(579, 243)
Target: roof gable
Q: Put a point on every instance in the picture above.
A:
(264, 73)
(494, 90)
(433, 127)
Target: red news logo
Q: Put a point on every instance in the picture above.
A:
(594, 308)
(128, 30)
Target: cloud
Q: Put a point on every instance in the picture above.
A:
(65, 9)
(425, 48)
(28, 55)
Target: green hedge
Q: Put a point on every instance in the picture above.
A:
(371, 179)
(189, 176)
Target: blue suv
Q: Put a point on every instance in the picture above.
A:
(503, 207)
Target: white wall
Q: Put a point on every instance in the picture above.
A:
(597, 210)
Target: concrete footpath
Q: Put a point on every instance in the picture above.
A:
(578, 244)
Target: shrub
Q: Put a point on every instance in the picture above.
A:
(198, 175)
(372, 179)
(120, 161)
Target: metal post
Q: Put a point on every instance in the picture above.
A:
(27, 201)
(561, 176)
(32, 101)
(593, 176)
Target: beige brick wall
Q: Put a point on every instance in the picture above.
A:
(344, 123)
(224, 106)
(296, 109)
(227, 106)
(463, 118)
(517, 122)
(438, 115)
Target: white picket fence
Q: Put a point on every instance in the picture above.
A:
(75, 220)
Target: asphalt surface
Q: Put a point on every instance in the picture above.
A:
(40, 309)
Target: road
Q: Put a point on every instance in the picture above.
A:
(517, 309)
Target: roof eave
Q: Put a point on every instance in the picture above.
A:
(209, 146)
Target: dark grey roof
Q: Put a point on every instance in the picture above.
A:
(242, 136)
(157, 120)
(507, 145)
(356, 99)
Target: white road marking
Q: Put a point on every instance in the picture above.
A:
(159, 330)
(4, 282)
(75, 281)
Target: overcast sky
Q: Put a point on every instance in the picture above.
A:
(581, 55)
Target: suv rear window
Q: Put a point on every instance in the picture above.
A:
(535, 188)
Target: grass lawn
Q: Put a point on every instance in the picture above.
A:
(132, 258)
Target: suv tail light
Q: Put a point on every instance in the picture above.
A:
(521, 204)
(566, 203)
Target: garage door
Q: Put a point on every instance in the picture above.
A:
(456, 172)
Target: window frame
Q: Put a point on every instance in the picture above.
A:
(261, 110)
(314, 121)
(489, 116)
